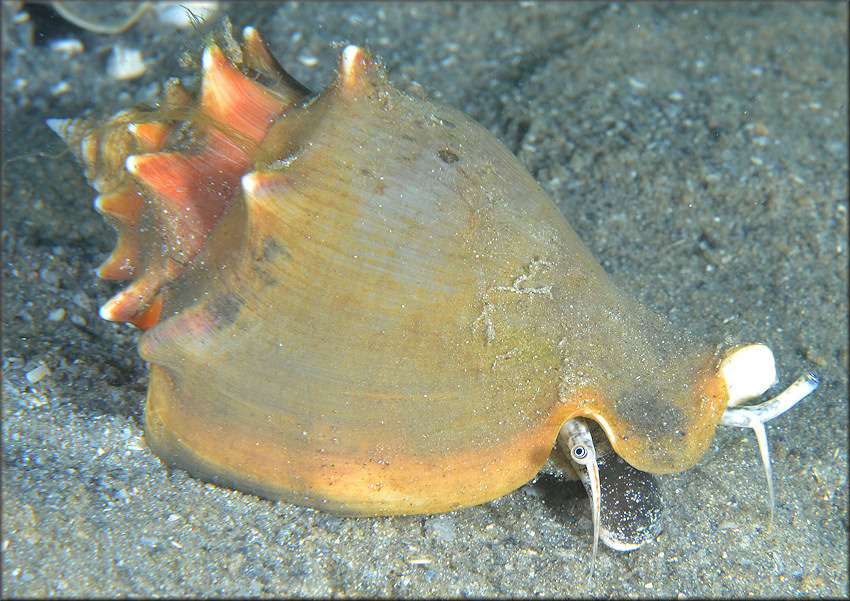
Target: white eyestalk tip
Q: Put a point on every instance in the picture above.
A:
(748, 372)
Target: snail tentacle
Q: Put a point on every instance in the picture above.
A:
(576, 437)
(755, 416)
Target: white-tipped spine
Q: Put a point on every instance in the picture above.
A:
(207, 60)
(348, 65)
(250, 184)
(130, 164)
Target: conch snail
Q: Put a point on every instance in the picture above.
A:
(360, 301)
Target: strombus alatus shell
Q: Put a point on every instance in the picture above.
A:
(360, 301)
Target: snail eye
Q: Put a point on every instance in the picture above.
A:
(579, 453)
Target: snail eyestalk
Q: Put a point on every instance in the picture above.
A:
(576, 437)
(746, 371)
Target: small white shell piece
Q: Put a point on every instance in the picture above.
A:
(125, 63)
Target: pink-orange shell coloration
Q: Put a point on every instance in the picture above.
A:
(360, 301)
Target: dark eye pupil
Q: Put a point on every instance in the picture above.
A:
(579, 452)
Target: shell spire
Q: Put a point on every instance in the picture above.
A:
(167, 175)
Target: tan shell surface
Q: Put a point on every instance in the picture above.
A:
(392, 317)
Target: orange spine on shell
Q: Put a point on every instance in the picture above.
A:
(149, 182)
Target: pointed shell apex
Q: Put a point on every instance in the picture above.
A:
(58, 126)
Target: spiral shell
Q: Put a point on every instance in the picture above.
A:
(360, 301)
